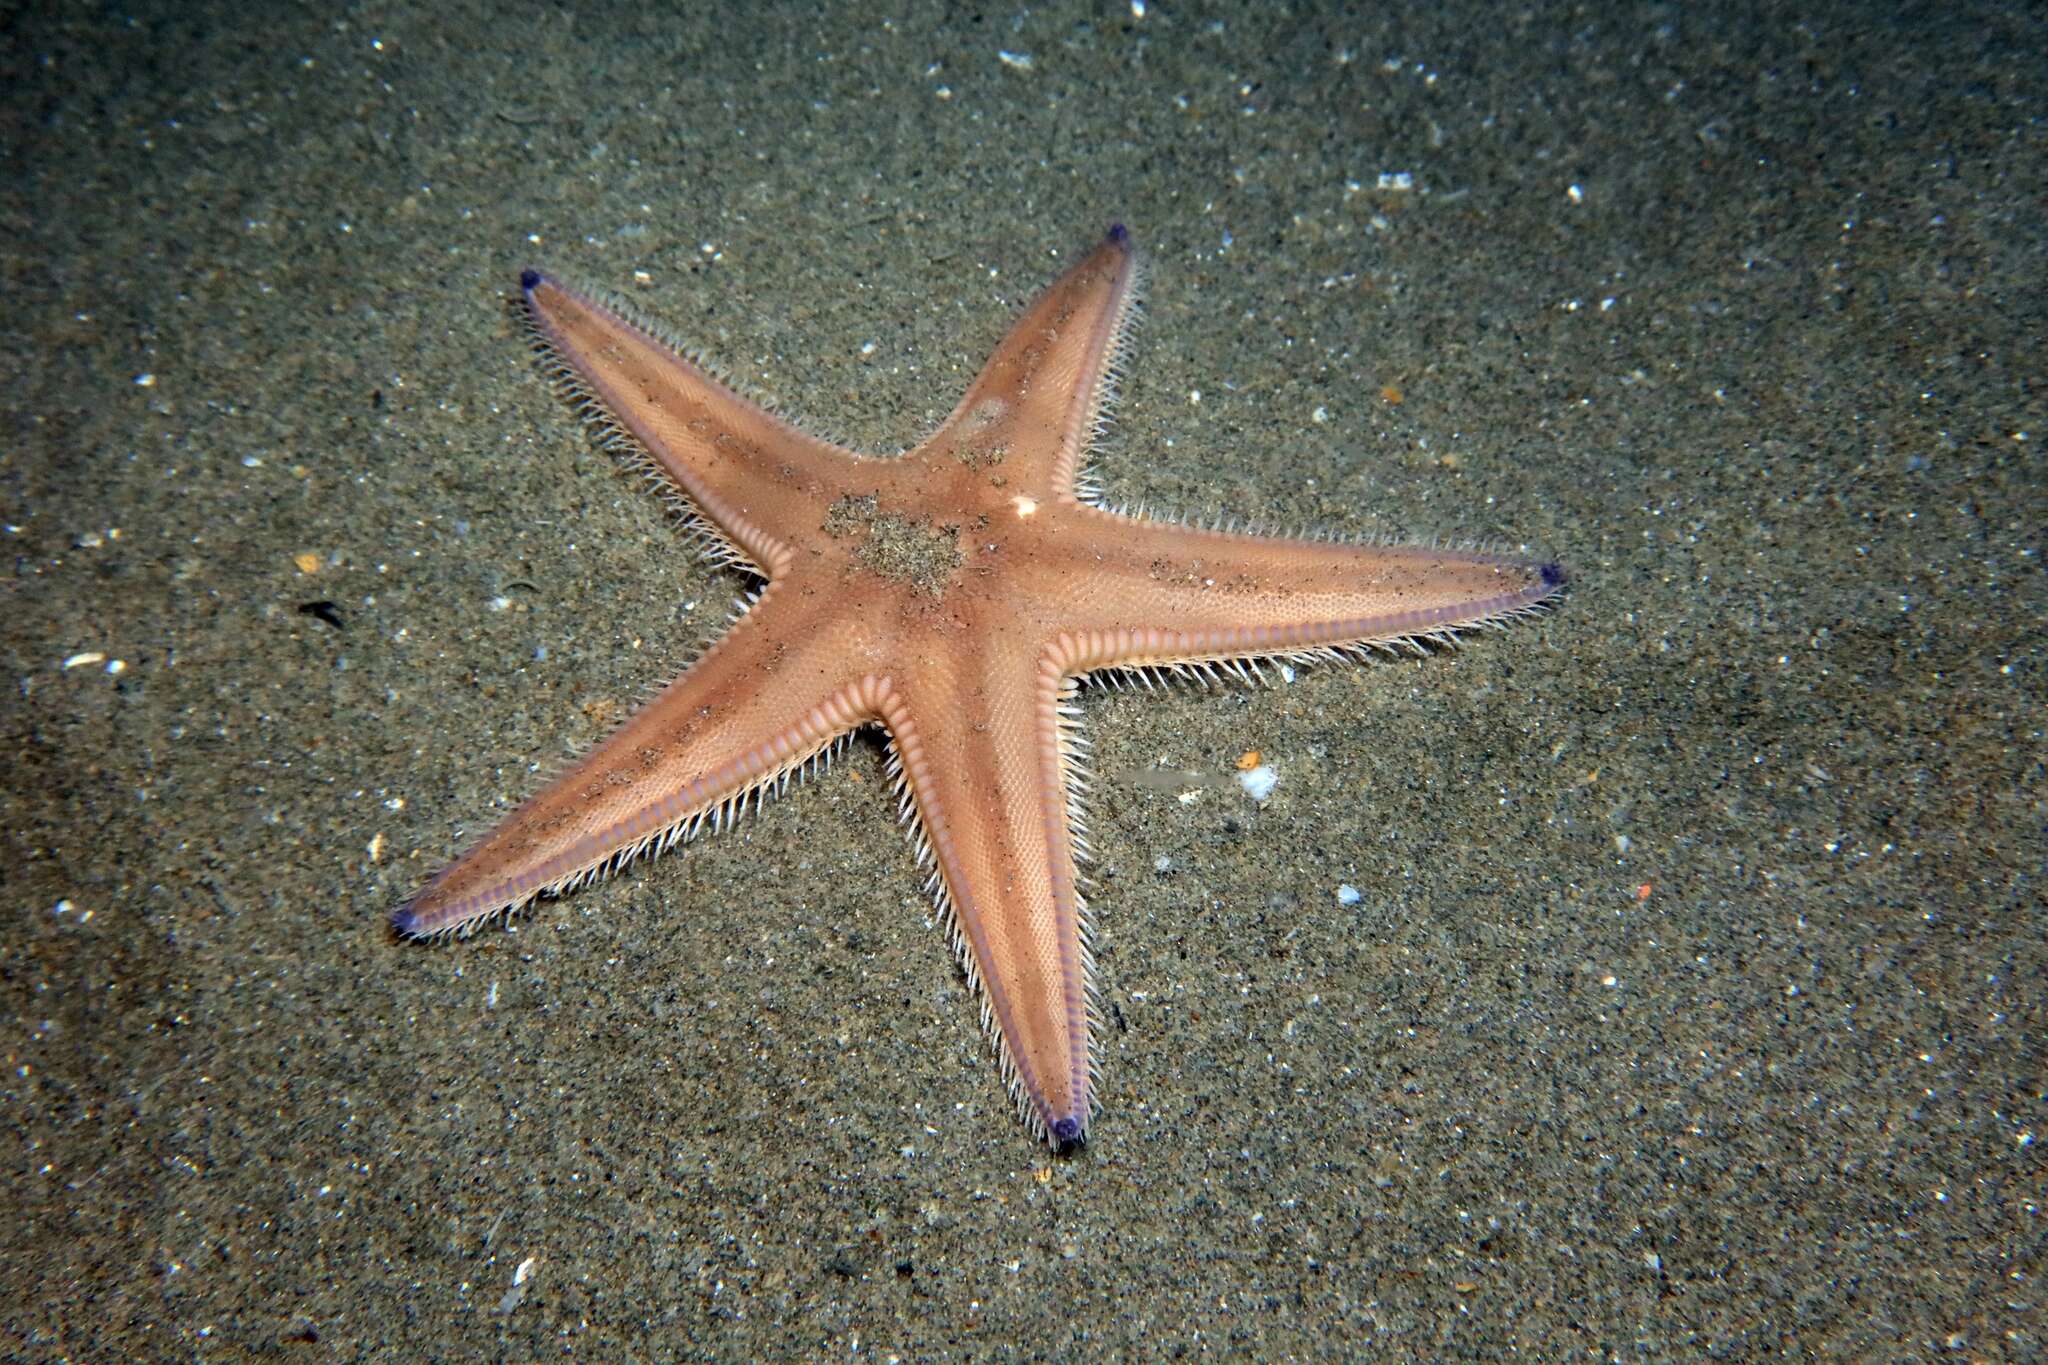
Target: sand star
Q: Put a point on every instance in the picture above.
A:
(953, 596)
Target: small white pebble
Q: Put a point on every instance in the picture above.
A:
(1347, 894)
(516, 1295)
(1258, 783)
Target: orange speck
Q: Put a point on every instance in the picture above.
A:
(1248, 760)
(307, 561)
(1643, 892)
(1391, 394)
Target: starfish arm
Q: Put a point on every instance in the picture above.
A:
(1039, 401)
(739, 721)
(989, 786)
(1170, 595)
(754, 481)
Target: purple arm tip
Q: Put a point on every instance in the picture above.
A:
(1553, 575)
(529, 280)
(1119, 233)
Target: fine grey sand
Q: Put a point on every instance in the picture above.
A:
(1690, 1000)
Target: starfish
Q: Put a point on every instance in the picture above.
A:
(954, 596)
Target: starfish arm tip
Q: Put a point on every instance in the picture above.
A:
(530, 280)
(1119, 233)
(405, 923)
(1068, 1135)
(1554, 575)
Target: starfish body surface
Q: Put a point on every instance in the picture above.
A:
(954, 596)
